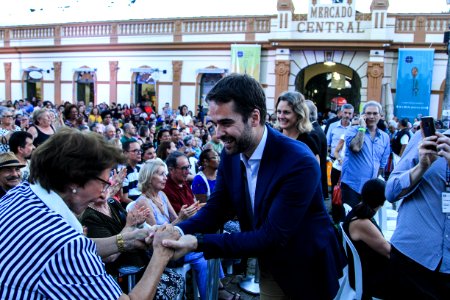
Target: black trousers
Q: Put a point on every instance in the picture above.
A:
(410, 280)
(350, 196)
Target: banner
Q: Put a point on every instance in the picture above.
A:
(414, 75)
(245, 59)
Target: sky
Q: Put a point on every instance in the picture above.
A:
(26, 12)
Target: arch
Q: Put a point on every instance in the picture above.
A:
(144, 84)
(32, 83)
(201, 89)
(322, 83)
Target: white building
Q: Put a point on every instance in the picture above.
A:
(178, 60)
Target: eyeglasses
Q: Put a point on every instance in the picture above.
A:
(136, 151)
(106, 184)
(8, 116)
(185, 168)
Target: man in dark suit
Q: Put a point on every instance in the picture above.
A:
(272, 183)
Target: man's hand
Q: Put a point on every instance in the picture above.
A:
(443, 146)
(162, 233)
(185, 244)
(427, 155)
(362, 121)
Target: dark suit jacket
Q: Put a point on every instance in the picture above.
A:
(290, 233)
(319, 136)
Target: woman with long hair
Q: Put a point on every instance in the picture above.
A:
(293, 119)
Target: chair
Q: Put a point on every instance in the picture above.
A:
(356, 263)
(130, 272)
(250, 283)
(182, 271)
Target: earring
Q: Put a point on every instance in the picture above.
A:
(74, 190)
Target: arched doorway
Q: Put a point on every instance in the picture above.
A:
(85, 85)
(144, 80)
(206, 79)
(32, 83)
(322, 83)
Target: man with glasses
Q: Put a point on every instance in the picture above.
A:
(366, 154)
(177, 189)
(130, 192)
(7, 127)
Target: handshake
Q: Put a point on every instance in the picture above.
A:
(165, 240)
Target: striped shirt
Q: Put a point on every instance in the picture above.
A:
(130, 182)
(43, 257)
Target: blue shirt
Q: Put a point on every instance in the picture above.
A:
(334, 135)
(43, 255)
(423, 230)
(359, 167)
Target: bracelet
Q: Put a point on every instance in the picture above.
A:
(362, 129)
(120, 242)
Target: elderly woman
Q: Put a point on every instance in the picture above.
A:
(151, 182)
(42, 127)
(42, 241)
(108, 218)
(7, 127)
(293, 119)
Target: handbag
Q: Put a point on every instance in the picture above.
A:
(337, 194)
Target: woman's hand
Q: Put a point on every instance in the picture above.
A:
(116, 181)
(137, 215)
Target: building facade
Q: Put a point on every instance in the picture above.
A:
(330, 52)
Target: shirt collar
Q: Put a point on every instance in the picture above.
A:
(57, 204)
(258, 153)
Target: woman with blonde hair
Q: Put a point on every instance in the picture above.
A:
(293, 119)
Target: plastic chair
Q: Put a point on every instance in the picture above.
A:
(250, 283)
(182, 271)
(356, 263)
(130, 272)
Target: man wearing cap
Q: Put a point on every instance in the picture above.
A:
(10, 175)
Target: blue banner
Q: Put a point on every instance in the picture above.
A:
(414, 75)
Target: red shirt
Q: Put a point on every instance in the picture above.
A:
(178, 196)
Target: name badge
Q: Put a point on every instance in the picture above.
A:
(446, 203)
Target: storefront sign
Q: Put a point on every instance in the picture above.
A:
(331, 18)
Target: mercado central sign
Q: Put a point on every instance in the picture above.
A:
(331, 18)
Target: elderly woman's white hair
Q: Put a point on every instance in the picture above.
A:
(148, 169)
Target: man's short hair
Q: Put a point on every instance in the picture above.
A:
(246, 93)
(19, 139)
(372, 103)
(404, 122)
(312, 110)
(171, 160)
(347, 106)
(126, 145)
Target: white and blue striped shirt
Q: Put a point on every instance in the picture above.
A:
(43, 257)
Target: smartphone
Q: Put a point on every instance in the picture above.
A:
(427, 126)
(428, 129)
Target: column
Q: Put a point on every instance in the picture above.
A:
(113, 68)
(57, 82)
(7, 66)
(177, 66)
(375, 72)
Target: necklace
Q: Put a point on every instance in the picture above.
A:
(102, 209)
(157, 201)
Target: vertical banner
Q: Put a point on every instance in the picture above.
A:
(414, 75)
(245, 59)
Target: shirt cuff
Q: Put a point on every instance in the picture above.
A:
(179, 230)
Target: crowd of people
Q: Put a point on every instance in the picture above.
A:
(88, 189)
